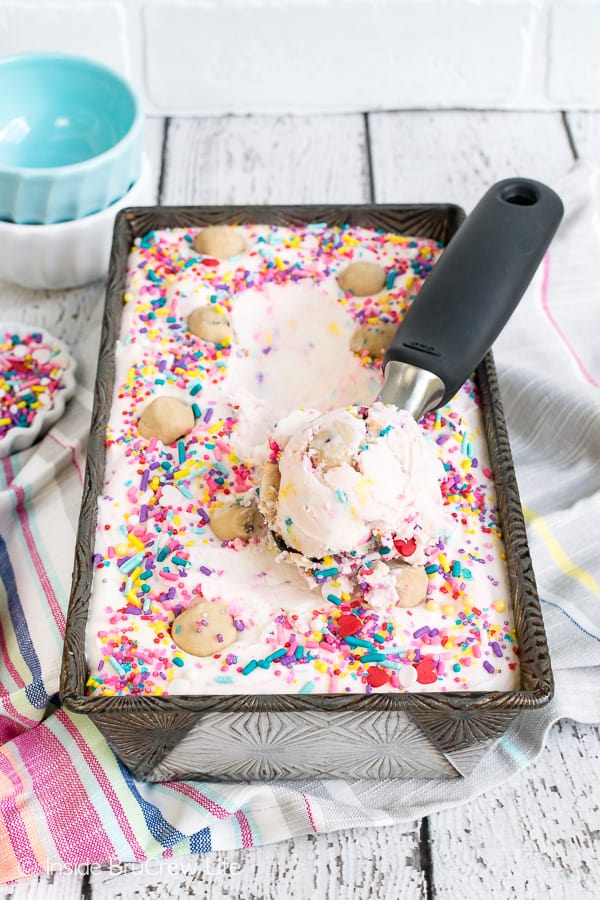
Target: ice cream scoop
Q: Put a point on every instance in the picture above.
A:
(353, 481)
(362, 479)
(470, 294)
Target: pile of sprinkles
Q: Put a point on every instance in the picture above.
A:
(154, 522)
(31, 374)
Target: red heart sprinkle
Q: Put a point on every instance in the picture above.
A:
(426, 673)
(209, 261)
(406, 548)
(377, 677)
(348, 625)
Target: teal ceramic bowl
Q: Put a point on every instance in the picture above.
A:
(71, 137)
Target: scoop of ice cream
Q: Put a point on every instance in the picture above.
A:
(354, 481)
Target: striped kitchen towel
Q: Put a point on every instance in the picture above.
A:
(65, 800)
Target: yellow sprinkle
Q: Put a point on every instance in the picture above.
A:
(432, 605)
(499, 605)
(443, 562)
(447, 609)
(122, 549)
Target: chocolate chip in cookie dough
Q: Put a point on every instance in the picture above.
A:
(222, 241)
(204, 629)
(363, 278)
(167, 419)
(234, 521)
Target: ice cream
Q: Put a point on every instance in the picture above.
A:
(191, 595)
(354, 481)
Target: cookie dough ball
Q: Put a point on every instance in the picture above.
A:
(333, 445)
(222, 241)
(211, 324)
(236, 521)
(373, 339)
(204, 629)
(269, 491)
(362, 278)
(411, 582)
(167, 419)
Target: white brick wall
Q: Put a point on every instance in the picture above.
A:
(241, 56)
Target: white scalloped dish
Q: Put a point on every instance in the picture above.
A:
(52, 404)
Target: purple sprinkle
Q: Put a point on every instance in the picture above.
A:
(171, 593)
(434, 632)
(97, 558)
(100, 665)
(143, 512)
(220, 638)
(488, 667)
(421, 631)
(204, 516)
(205, 570)
(238, 625)
(144, 480)
(208, 415)
(496, 648)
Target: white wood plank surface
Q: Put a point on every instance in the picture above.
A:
(585, 131)
(536, 836)
(370, 864)
(453, 157)
(315, 159)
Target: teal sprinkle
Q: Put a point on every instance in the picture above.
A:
(390, 280)
(165, 465)
(392, 665)
(178, 561)
(456, 569)
(359, 642)
(177, 629)
(385, 431)
(384, 550)
(277, 655)
(177, 660)
(148, 604)
(153, 277)
(263, 663)
(181, 452)
(146, 588)
(146, 574)
(509, 638)
(116, 666)
(341, 496)
(466, 573)
(456, 667)
(431, 570)
(162, 554)
(326, 573)
(128, 567)
(333, 599)
(187, 494)
(288, 522)
(123, 530)
(128, 585)
(249, 667)
(196, 410)
(195, 388)
(299, 652)
(379, 638)
(307, 688)
(188, 263)
(159, 381)
(373, 657)
(224, 679)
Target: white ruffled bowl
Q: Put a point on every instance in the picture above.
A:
(18, 438)
(67, 254)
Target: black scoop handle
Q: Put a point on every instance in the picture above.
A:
(478, 281)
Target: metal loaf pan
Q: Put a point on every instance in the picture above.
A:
(303, 736)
